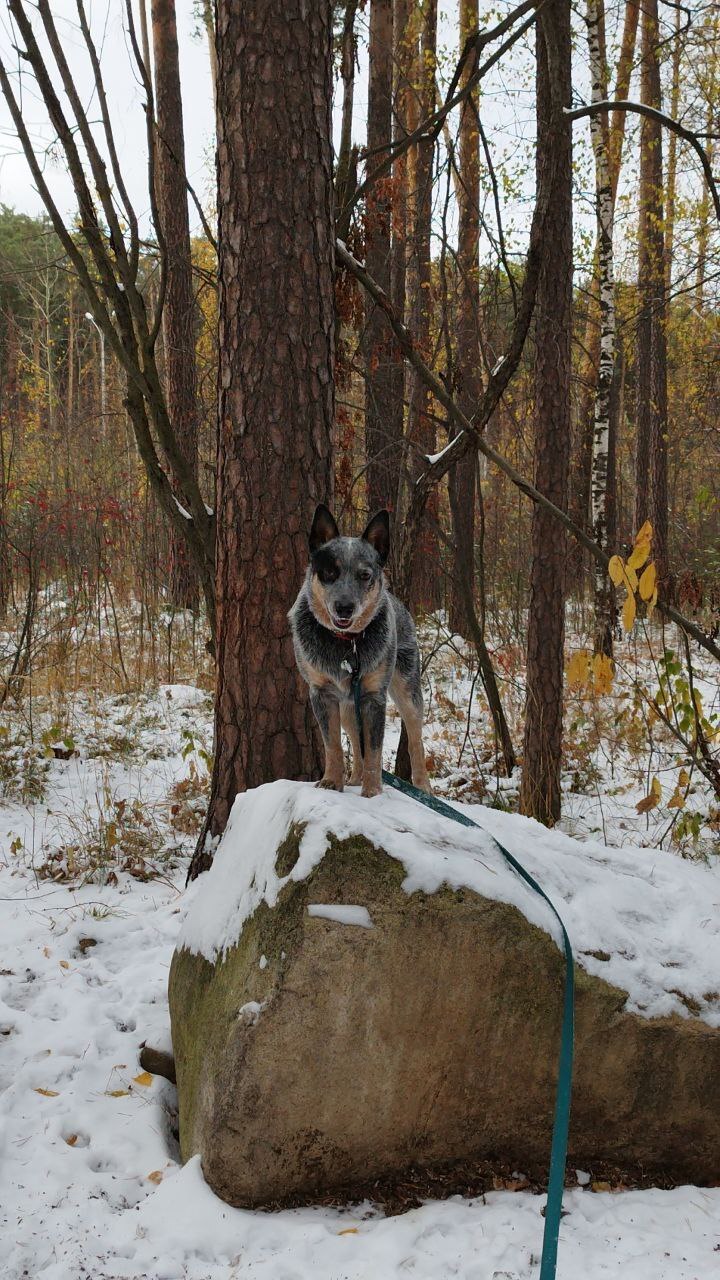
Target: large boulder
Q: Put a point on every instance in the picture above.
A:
(362, 986)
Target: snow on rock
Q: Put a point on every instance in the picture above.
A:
(641, 919)
(76, 1198)
(344, 914)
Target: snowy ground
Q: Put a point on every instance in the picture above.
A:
(93, 850)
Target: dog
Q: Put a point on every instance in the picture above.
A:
(346, 622)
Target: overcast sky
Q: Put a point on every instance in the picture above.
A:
(507, 110)
(125, 101)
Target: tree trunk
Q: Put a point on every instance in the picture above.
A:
(604, 594)
(403, 29)
(671, 185)
(347, 155)
(651, 496)
(540, 787)
(209, 23)
(582, 472)
(378, 342)
(179, 308)
(275, 205)
(421, 428)
(468, 360)
(712, 130)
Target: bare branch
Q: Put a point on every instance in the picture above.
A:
(431, 127)
(470, 437)
(688, 135)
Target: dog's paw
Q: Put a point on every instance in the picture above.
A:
(330, 784)
(371, 789)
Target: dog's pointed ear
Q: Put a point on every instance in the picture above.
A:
(378, 535)
(324, 528)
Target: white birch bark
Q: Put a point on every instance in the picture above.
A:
(606, 367)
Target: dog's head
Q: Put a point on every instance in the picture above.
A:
(346, 574)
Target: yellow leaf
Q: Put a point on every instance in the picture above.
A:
(602, 668)
(64, 964)
(683, 778)
(631, 578)
(578, 669)
(628, 613)
(644, 533)
(156, 1176)
(638, 555)
(145, 1079)
(48, 1093)
(71, 1139)
(616, 569)
(647, 581)
(677, 799)
(652, 602)
(46, 952)
(652, 799)
(349, 1231)
(117, 1093)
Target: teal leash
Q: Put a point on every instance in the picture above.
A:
(561, 1119)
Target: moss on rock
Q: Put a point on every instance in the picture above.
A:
(351, 1053)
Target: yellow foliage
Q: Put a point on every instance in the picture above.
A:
(652, 799)
(629, 612)
(616, 569)
(602, 669)
(648, 581)
(589, 672)
(578, 669)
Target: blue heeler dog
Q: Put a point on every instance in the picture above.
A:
(345, 621)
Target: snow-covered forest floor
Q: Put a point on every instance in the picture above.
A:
(101, 793)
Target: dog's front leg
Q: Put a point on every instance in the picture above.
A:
(327, 714)
(372, 710)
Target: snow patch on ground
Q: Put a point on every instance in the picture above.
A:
(90, 1179)
(642, 919)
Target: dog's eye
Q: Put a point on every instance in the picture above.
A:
(365, 575)
(327, 575)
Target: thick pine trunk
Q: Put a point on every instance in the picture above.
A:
(179, 308)
(378, 343)
(540, 788)
(275, 205)
(421, 427)
(651, 492)
(403, 28)
(468, 365)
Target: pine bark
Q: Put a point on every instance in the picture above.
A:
(421, 428)
(403, 29)
(651, 491)
(378, 343)
(179, 319)
(468, 360)
(276, 398)
(540, 787)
